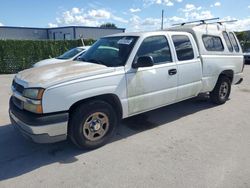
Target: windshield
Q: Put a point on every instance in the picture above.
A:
(71, 53)
(110, 51)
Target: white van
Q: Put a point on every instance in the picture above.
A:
(69, 55)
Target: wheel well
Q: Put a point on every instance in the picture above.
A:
(228, 73)
(112, 99)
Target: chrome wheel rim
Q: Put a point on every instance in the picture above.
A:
(224, 90)
(96, 126)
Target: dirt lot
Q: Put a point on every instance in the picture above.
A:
(189, 144)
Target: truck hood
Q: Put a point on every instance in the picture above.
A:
(49, 75)
(49, 61)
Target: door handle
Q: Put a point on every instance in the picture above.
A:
(172, 71)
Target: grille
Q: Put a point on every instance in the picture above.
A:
(19, 88)
(17, 102)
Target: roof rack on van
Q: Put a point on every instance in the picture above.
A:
(196, 21)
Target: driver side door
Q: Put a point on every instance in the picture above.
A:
(152, 87)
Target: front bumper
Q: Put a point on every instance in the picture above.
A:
(48, 128)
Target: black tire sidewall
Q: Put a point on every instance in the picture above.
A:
(80, 116)
(215, 94)
(229, 90)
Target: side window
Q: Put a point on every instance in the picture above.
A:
(212, 43)
(234, 42)
(228, 42)
(157, 47)
(183, 47)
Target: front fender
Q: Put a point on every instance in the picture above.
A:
(61, 98)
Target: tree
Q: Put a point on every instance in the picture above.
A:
(242, 36)
(244, 39)
(108, 25)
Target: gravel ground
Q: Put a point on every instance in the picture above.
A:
(189, 144)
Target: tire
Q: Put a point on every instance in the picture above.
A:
(92, 124)
(221, 92)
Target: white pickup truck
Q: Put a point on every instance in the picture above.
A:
(123, 75)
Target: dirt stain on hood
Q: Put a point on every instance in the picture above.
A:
(57, 73)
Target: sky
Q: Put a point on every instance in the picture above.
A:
(133, 15)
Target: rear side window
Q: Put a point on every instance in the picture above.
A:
(212, 43)
(183, 47)
(228, 42)
(157, 47)
(234, 42)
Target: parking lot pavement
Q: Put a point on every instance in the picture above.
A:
(189, 144)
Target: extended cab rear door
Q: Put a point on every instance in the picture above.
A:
(188, 64)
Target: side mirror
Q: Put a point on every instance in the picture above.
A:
(143, 61)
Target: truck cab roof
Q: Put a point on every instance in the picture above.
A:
(144, 33)
(205, 36)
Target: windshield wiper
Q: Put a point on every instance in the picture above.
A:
(80, 59)
(61, 58)
(92, 61)
(96, 61)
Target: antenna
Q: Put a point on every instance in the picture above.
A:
(196, 21)
(162, 17)
(82, 39)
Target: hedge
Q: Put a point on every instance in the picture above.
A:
(245, 45)
(17, 55)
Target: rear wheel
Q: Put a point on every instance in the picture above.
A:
(221, 92)
(92, 124)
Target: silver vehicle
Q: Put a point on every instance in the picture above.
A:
(67, 56)
(247, 56)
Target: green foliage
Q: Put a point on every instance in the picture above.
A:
(241, 35)
(108, 25)
(244, 39)
(17, 55)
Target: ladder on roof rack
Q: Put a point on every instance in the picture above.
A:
(199, 21)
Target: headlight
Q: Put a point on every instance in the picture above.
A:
(33, 93)
(36, 108)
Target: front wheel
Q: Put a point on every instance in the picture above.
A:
(221, 92)
(92, 124)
